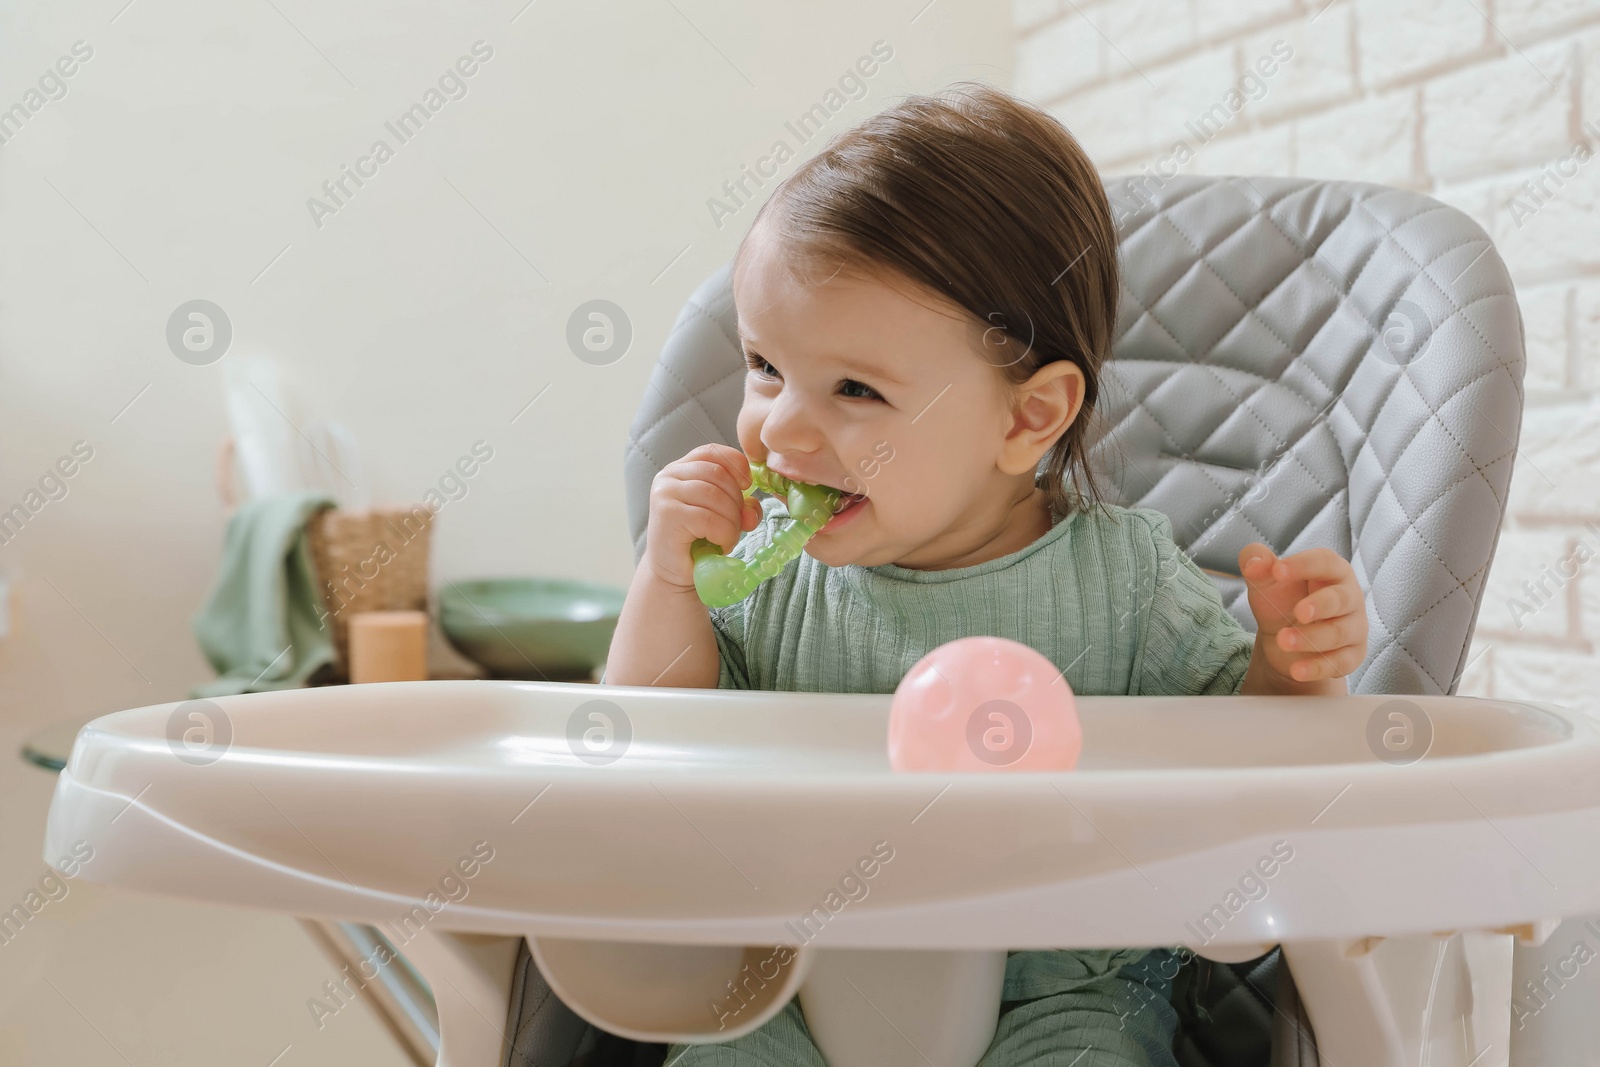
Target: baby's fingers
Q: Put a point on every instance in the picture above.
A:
(1334, 664)
(735, 462)
(680, 479)
(708, 511)
(1255, 562)
(1323, 636)
(1340, 598)
(1311, 565)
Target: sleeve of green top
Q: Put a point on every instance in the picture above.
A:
(1188, 643)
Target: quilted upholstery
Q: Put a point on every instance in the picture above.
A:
(540, 1029)
(1302, 363)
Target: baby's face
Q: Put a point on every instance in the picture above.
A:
(876, 389)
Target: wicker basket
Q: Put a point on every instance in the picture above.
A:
(372, 560)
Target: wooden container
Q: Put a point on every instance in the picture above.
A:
(388, 646)
(368, 561)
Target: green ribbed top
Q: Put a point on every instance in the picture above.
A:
(1106, 595)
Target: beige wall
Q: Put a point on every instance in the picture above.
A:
(1468, 102)
(428, 311)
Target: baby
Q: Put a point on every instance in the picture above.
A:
(925, 307)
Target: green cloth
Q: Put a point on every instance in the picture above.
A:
(1109, 598)
(261, 627)
(1105, 594)
(1118, 1020)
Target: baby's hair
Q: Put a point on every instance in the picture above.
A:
(990, 203)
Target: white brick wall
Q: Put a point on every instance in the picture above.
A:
(1464, 101)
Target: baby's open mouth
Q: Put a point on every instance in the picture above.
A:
(848, 505)
(847, 500)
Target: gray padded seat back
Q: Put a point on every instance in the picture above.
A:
(1302, 363)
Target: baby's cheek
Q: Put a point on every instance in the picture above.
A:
(748, 431)
(905, 507)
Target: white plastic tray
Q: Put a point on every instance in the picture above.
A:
(720, 818)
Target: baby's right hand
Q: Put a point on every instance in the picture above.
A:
(700, 495)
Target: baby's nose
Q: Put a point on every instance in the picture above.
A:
(790, 434)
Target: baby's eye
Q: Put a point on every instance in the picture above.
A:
(759, 365)
(869, 394)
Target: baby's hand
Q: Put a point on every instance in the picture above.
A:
(1309, 612)
(700, 495)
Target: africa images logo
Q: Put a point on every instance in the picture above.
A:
(452, 85)
(852, 85)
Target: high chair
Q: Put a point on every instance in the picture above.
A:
(1298, 362)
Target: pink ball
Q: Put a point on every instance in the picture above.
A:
(984, 704)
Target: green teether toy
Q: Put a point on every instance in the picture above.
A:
(722, 580)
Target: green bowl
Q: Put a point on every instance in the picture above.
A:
(538, 628)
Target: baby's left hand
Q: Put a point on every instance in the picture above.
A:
(1311, 617)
